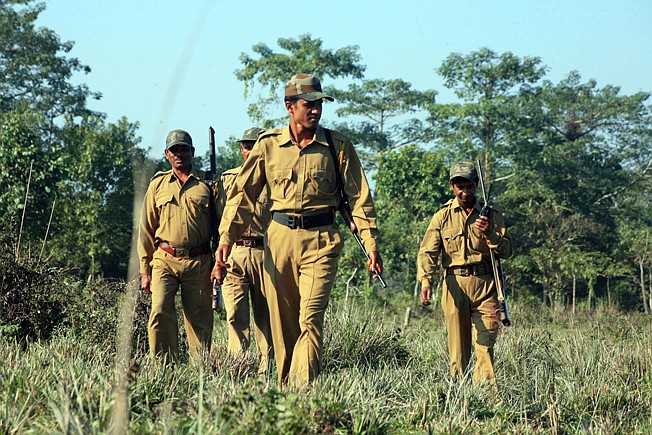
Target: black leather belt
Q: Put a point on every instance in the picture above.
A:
(470, 270)
(294, 221)
(252, 242)
(184, 252)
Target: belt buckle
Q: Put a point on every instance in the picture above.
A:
(465, 271)
(249, 243)
(182, 252)
(294, 221)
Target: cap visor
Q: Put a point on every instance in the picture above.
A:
(465, 176)
(173, 144)
(313, 96)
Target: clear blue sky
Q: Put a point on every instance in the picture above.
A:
(170, 64)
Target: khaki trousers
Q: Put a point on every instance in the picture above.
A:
(300, 267)
(244, 281)
(470, 306)
(192, 275)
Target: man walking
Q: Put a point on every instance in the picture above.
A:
(245, 278)
(462, 238)
(174, 251)
(302, 242)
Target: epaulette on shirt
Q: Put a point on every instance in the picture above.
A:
(232, 171)
(269, 133)
(445, 206)
(160, 174)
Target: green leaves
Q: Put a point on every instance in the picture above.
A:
(272, 70)
(34, 71)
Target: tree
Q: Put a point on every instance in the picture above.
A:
(21, 148)
(93, 227)
(272, 70)
(34, 71)
(488, 86)
(383, 105)
(411, 185)
(580, 148)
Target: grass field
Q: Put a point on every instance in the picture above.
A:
(557, 373)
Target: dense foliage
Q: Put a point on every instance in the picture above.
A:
(571, 169)
(570, 163)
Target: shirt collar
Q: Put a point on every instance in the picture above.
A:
(194, 173)
(286, 136)
(477, 206)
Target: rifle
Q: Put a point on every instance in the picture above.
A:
(218, 302)
(345, 211)
(496, 267)
(211, 180)
(345, 208)
(211, 174)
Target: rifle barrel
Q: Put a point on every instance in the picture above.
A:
(378, 274)
(496, 266)
(211, 151)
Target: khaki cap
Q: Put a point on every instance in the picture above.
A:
(251, 134)
(464, 170)
(306, 87)
(178, 137)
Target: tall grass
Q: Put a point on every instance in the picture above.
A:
(557, 373)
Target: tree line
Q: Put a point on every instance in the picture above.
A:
(570, 163)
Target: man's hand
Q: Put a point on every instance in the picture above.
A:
(484, 225)
(375, 262)
(222, 256)
(218, 273)
(426, 295)
(145, 283)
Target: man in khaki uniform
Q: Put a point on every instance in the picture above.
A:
(302, 241)
(462, 238)
(174, 251)
(245, 278)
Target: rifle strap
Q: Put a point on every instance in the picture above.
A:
(336, 163)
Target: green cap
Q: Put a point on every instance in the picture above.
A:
(464, 170)
(178, 137)
(306, 87)
(251, 134)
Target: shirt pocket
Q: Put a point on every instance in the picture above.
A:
(200, 204)
(477, 241)
(453, 240)
(323, 182)
(166, 205)
(280, 183)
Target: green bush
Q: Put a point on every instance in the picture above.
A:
(36, 301)
(31, 302)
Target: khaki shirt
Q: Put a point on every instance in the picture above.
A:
(453, 236)
(178, 215)
(300, 181)
(262, 212)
